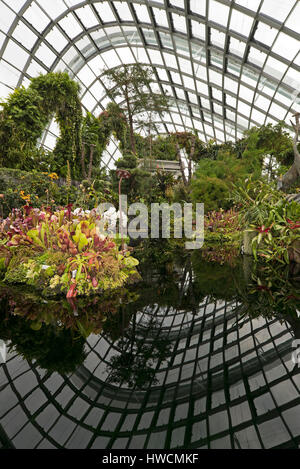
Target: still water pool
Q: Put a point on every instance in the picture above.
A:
(196, 356)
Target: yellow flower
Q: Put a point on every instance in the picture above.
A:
(53, 176)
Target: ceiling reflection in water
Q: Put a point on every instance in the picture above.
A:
(181, 362)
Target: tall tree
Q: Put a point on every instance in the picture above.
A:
(131, 85)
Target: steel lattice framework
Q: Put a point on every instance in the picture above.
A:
(227, 65)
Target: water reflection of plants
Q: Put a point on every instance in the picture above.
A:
(50, 347)
(82, 316)
(272, 292)
(53, 332)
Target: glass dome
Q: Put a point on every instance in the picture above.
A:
(227, 65)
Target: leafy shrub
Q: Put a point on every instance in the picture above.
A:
(274, 221)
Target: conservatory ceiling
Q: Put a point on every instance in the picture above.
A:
(227, 65)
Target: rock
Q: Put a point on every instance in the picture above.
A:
(293, 198)
(294, 252)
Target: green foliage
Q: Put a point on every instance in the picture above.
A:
(211, 191)
(214, 179)
(221, 166)
(21, 124)
(274, 221)
(272, 140)
(27, 112)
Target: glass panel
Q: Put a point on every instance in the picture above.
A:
(123, 11)
(202, 88)
(182, 46)
(198, 30)
(246, 93)
(160, 17)
(170, 60)
(156, 57)
(45, 55)
(218, 12)
(237, 47)
(70, 25)
(54, 8)
(244, 108)
(231, 101)
(215, 77)
(280, 46)
(57, 39)
(185, 66)
(87, 17)
(256, 56)
(86, 75)
(15, 55)
(188, 83)
(278, 9)
(6, 18)
(176, 78)
(258, 116)
(166, 40)
(217, 94)
(240, 22)
(251, 4)
(230, 84)
(177, 3)
(205, 103)
(179, 23)
(9, 74)
(36, 17)
(142, 13)
(217, 37)
(275, 68)
(265, 34)
(24, 35)
(88, 101)
(198, 6)
(234, 67)
(106, 13)
(277, 111)
(293, 20)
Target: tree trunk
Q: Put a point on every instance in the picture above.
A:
(92, 149)
(132, 140)
(150, 135)
(191, 156)
(291, 176)
(82, 160)
(130, 119)
(185, 182)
